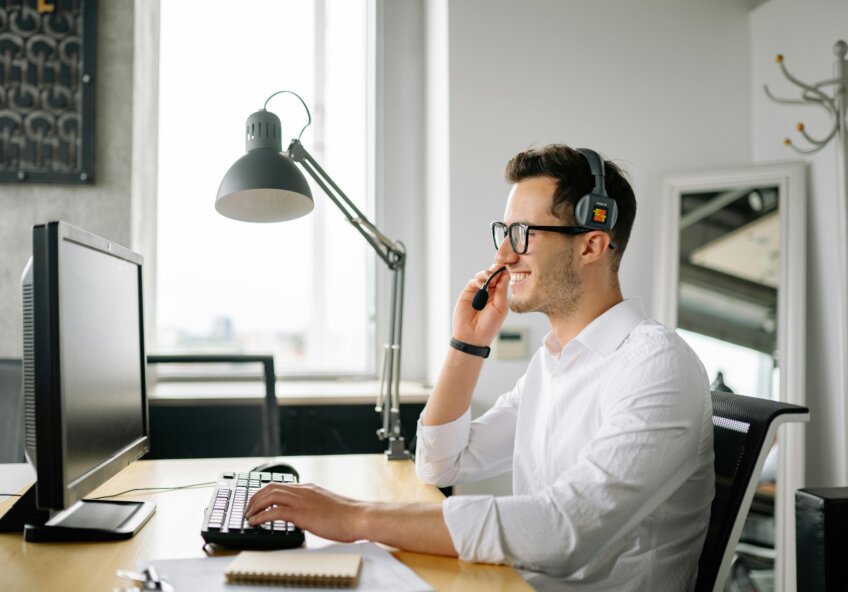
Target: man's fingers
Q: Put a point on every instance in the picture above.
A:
(267, 496)
(278, 506)
(277, 512)
(477, 281)
(481, 277)
(499, 287)
(257, 501)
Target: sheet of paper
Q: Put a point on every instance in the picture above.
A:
(14, 477)
(381, 572)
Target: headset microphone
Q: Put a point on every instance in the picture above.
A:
(482, 295)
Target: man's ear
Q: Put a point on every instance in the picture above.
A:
(595, 245)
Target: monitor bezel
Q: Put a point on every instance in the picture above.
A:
(53, 491)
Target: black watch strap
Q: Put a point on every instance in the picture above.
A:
(474, 350)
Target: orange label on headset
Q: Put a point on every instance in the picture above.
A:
(599, 215)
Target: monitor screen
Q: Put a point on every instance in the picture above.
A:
(99, 312)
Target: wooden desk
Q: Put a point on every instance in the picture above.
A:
(174, 530)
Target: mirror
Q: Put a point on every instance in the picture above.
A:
(732, 281)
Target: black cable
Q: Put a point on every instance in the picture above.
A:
(302, 102)
(206, 484)
(11, 494)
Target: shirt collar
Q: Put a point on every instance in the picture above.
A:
(604, 334)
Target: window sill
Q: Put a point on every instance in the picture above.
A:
(300, 392)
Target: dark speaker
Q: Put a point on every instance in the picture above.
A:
(821, 535)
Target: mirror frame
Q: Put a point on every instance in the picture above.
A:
(790, 179)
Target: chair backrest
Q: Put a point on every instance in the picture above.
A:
(11, 411)
(271, 443)
(745, 428)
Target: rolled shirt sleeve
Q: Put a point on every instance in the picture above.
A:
(439, 447)
(465, 450)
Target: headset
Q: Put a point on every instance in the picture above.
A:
(596, 210)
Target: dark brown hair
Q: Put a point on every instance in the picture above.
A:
(574, 179)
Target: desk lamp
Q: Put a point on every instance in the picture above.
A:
(264, 185)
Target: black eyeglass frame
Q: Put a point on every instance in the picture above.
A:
(570, 230)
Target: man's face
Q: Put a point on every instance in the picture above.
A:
(544, 279)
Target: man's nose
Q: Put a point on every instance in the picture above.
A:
(505, 254)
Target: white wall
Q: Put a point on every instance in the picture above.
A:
(400, 145)
(103, 208)
(805, 32)
(656, 86)
(145, 150)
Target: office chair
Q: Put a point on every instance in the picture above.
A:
(744, 431)
(11, 411)
(271, 445)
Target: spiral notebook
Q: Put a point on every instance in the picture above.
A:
(325, 569)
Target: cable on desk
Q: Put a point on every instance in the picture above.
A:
(11, 494)
(162, 489)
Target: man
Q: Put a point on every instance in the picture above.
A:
(608, 433)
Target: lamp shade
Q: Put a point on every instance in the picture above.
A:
(264, 185)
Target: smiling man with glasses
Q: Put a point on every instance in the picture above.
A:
(608, 433)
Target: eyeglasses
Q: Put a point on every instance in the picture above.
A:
(518, 233)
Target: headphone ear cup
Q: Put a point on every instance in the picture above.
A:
(581, 210)
(613, 213)
(596, 211)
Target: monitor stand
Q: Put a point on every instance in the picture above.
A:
(86, 520)
(22, 512)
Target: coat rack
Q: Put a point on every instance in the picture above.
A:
(834, 104)
(832, 96)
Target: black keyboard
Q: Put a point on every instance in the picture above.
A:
(224, 523)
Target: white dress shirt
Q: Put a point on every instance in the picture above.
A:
(610, 440)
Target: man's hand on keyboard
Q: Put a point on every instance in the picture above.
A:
(308, 506)
(413, 526)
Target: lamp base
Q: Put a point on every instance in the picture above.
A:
(397, 449)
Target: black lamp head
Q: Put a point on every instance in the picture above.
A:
(264, 185)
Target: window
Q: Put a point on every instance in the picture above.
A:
(302, 290)
(745, 371)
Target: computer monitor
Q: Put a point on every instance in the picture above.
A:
(85, 395)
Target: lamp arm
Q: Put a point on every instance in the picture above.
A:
(393, 254)
(388, 400)
(388, 250)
